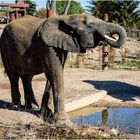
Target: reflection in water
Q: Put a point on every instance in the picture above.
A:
(125, 119)
(86, 111)
(104, 117)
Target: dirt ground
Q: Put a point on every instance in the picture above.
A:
(122, 86)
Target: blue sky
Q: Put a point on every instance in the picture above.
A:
(42, 3)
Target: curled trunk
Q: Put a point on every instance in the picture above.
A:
(111, 30)
(119, 30)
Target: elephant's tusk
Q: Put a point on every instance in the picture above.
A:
(110, 38)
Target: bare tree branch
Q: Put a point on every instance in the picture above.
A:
(53, 6)
(19, 1)
(48, 5)
(67, 7)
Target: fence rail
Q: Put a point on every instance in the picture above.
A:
(133, 33)
(127, 56)
(93, 58)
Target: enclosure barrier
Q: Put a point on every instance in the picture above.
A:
(126, 56)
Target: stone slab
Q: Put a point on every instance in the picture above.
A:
(85, 101)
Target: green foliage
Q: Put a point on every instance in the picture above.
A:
(41, 13)
(138, 24)
(129, 14)
(32, 7)
(125, 13)
(98, 8)
(74, 8)
(130, 64)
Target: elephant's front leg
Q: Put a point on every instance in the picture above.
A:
(58, 97)
(56, 80)
(47, 108)
(53, 69)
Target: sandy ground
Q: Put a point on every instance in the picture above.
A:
(122, 86)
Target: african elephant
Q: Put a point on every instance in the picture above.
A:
(30, 46)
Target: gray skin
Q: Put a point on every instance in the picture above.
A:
(30, 46)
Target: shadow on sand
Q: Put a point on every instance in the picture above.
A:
(116, 89)
(9, 106)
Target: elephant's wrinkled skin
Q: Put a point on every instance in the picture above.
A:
(30, 46)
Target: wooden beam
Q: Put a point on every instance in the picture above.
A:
(105, 50)
(14, 5)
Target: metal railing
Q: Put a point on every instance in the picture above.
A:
(133, 33)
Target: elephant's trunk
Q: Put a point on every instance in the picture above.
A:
(112, 29)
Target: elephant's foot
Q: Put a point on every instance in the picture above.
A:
(64, 123)
(47, 115)
(16, 106)
(31, 104)
(16, 103)
(58, 119)
(62, 120)
(35, 106)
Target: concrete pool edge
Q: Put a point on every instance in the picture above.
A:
(85, 101)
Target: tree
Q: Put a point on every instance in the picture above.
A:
(41, 13)
(63, 7)
(99, 7)
(129, 13)
(32, 7)
(125, 13)
(74, 7)
(67, 7)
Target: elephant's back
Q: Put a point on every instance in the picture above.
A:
(16, 42)
(19, 33)
(27, 24)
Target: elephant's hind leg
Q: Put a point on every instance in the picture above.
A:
(30, 101)
(14, 77)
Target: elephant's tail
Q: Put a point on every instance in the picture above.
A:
(3, 56)
(1, 29)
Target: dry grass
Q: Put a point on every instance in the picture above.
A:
(53, 132)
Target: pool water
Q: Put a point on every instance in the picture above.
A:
(123, 119)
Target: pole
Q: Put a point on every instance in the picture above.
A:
(49, 11)
(105, 48)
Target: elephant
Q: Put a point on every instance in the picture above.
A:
(30, 46)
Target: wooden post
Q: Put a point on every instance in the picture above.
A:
(24, 12)
(80, 60)
(16, 13)
(105, 57)
(49, 11)
(105, 48)
(8, 17)
(12, 15)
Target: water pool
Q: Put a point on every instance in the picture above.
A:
(124, 119)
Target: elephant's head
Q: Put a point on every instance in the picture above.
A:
(77, 32)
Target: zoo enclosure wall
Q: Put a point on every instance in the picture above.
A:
(130, 52)
(126, 56)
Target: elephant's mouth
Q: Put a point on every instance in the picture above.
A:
(107, 38)
(79, 45)
(99, 38)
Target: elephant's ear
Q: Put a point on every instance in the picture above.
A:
(55, 32)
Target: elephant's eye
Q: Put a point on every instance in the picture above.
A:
(91, 25)
(84, 22)
(72, 32)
